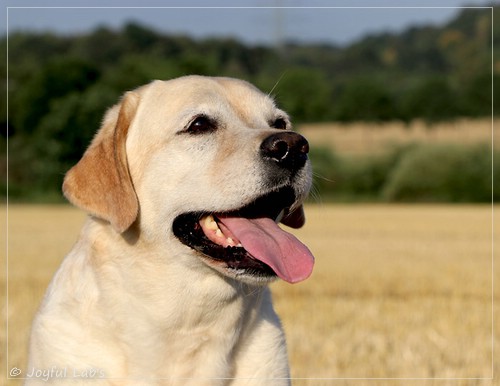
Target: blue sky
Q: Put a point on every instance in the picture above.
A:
(252, 21)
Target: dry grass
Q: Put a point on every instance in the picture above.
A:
(363, 138)
(38, 239)
(397, 292)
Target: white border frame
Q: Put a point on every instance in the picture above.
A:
(10, 370)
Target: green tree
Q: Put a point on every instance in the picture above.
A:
(305, 94)
(433, 100)
(477, 95)
(365, 100)
(57, 78)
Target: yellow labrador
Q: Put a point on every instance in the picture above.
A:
(184, 184)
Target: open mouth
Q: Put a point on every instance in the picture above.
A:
(248, 241)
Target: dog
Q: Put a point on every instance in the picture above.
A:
(185, 183)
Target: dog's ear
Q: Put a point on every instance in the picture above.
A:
(100, 182)
(295, 219)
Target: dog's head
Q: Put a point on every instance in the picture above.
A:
(208, 164)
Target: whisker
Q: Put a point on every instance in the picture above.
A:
(315, 195)
(277, 82)
(321, 177)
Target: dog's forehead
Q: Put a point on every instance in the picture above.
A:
(218, 95)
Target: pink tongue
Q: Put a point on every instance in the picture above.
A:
(266, 241)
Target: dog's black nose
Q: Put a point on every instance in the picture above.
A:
(287, 149)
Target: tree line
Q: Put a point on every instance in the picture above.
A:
(59, 86)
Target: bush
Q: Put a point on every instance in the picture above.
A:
(325, 163)
(352, 178)
(365, 176)
(443, 173)
(411, 173)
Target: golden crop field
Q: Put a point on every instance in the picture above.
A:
(368, 138)
(400, 294)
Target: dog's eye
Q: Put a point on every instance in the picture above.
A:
(279, 123)
(201, 124)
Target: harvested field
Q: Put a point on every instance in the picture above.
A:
(398, 291)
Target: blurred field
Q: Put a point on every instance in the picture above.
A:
(397, 292)
(368, 138)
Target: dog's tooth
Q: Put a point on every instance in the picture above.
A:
(230, 241)
(218, 233)
(239, 245)
(280, 216)
(210, 223)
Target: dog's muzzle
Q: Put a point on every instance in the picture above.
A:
(246, 242)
